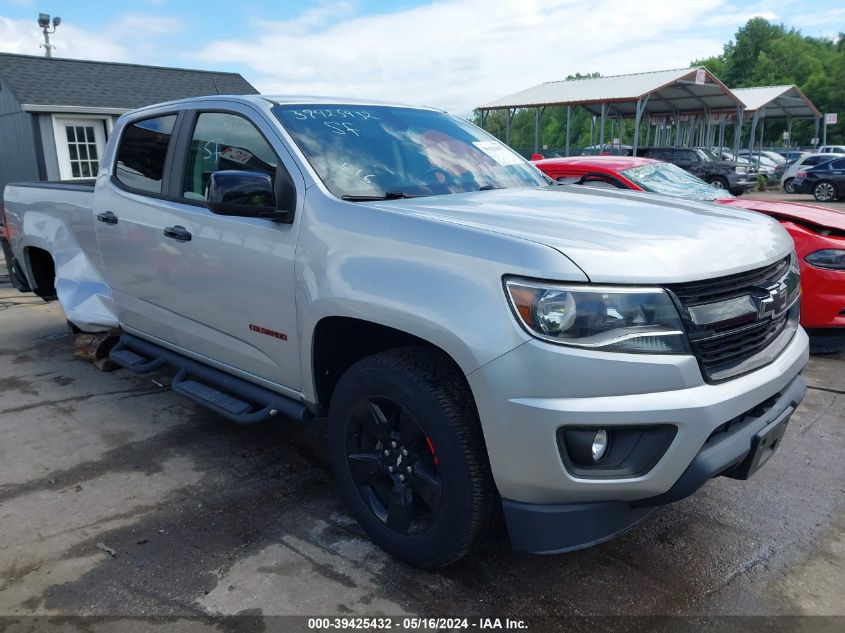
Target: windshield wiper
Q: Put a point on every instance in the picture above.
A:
(388, 195)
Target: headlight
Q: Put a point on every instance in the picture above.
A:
(610, 319)
(828, 258)
(742, 170)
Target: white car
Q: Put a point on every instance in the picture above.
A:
(805, 162)
(832, 149)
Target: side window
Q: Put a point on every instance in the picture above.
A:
(686, 156)
(601, 180)
(224, 142)
(838, 164)
(141, 153)
(661, 154)
(813, 160)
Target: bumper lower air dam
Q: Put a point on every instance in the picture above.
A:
(557, 528)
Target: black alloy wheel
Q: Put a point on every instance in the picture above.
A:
(393, 464)
(408, 453)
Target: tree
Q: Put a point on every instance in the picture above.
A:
(766, 54)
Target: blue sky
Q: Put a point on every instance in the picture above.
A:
(453, 54)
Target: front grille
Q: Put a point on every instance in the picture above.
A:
(712, 290)
(735, 345)
(730, 348)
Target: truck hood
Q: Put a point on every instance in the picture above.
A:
(618, 237)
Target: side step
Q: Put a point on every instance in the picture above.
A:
(234, 398)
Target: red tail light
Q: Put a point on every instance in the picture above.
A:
(801, 174)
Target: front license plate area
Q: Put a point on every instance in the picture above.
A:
(763, 446)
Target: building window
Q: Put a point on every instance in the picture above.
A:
(80, 143)
(82, 149)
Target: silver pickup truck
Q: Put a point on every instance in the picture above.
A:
(479, 342)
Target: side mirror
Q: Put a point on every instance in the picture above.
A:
(249, 194)
(536, 156)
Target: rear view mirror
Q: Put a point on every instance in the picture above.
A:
(247, 194)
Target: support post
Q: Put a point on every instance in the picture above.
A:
(816, 134)
(568, 125)
(824, 132)
(722, 123)
(538, 114)
(738, 130)
(601, 133)
(753, 136)
(508, 126)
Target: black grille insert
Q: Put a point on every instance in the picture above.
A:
(726, 349)
(698, 292)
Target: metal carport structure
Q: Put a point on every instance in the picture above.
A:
(781, 102)
(687, 95)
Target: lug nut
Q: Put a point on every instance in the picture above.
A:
(410, 469)
(386, 453)
(404, 452)
(401, 477)
(390, 469)
(393, 444)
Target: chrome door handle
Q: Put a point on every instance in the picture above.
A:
(178, 233)
(107, 217)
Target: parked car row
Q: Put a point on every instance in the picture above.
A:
(818, 233)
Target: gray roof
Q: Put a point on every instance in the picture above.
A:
(682, 89)
(38, 81)
(777, 101)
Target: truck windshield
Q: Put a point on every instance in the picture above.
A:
(375, 152)
(671, 180)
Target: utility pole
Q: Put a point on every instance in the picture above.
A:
(44, 23)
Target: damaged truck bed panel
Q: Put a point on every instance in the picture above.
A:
(59, 223)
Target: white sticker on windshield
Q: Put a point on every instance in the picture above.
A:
(498, 152)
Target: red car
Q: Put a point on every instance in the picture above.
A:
(819, 233)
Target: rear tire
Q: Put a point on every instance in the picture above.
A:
(789, 185)
(409, 410)
(825, 191)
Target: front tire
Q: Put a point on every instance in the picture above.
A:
(825, 191)
(718, 181)
(789, 185)
(407, 450)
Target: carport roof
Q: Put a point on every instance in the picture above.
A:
(681, 90)
(777, 101)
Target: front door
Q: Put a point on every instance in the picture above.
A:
(230, 289)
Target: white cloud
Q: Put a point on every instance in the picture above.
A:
(457, 54)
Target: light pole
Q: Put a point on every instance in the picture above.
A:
(44, 23)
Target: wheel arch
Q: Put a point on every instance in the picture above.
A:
(338, 342)
(40, 268)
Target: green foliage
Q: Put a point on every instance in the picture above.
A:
(761, 54)
(766, 54)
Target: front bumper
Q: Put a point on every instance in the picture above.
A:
(526, 395)
(548, 529)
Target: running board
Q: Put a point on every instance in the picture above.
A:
(234, 398)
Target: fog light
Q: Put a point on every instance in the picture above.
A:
(599, 445)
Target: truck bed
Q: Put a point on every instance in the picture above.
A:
(52, 246)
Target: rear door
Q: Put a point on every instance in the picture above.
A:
(127, 208)
(229, 290)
